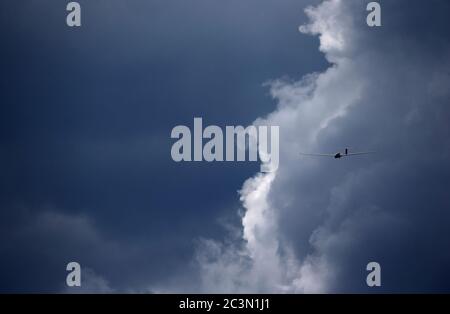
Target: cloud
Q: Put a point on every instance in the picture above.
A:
(91, 283)
(41, 243)
(315, 224)
(310, 227)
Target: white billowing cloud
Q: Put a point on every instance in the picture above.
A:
(314, 224)
(257, 264)
(305, 108)
(332, 24)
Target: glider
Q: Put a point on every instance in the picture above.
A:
(339, 154)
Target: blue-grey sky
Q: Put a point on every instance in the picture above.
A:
(86, 118)
(86, 172)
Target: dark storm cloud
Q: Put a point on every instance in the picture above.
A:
(85, 123)
(85, 150)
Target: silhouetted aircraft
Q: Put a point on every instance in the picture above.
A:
(339, 154)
